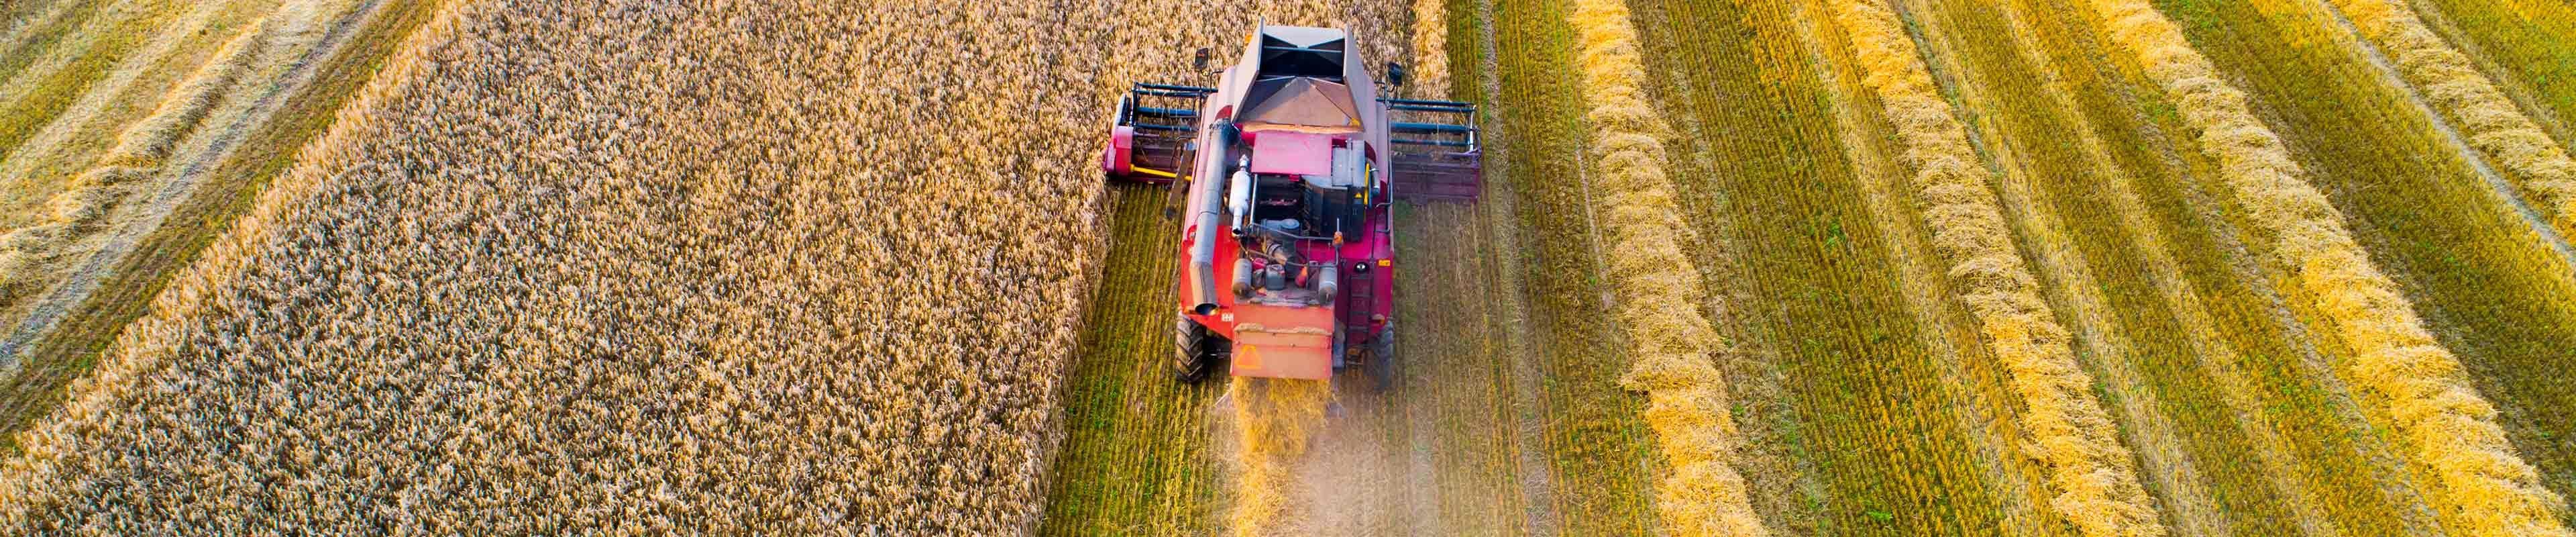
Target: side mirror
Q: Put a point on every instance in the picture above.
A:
(1200, 64)
(1394, 74)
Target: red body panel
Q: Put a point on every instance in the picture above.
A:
(1293, 131)
(1122, 147)
(1296, 342)
(1282, 342)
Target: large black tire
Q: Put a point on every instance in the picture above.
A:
(1194, 353)
(1380, 361)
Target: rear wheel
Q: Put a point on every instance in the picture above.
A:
(1380, 361)
(1195, 353)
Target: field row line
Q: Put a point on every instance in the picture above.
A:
(21, 32)
(2483, 486)
(2097, 483)
(2493, 123)
(1658, 291)
(2235, 385)
(139, 147)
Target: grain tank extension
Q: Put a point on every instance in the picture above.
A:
(1284, 174)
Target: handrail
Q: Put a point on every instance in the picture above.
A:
(1174, 87)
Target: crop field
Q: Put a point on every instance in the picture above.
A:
(2083, 268)
(157, 156)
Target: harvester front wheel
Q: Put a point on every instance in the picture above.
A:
(1194, 353)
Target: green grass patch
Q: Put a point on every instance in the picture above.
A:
(1135, 458)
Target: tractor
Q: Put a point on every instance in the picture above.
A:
(1283, 176)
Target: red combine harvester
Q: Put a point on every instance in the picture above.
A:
(1290, 166)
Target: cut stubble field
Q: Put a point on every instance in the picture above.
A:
(1741, 267)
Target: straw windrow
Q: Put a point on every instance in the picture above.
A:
(2094, 475)
(2481, 485)
(2490, 120)
(1673, 345)
(1275, 420)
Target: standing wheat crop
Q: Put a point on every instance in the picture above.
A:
(634, 267)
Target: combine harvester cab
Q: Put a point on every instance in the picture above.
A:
(1284, 175)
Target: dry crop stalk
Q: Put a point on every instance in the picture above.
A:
(2096, 480)
(536, 295)
(1674, 345)
(2483, 487)
(139, 151)
(142, 348)
(1275, 420)
(149, 141)
(1431, 47)
(2490, 119)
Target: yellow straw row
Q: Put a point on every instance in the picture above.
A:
(2095, 476)
(2480, 485)
(1659, 294)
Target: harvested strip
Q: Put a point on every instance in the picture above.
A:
(2097, 485)
(148, 142)
(24, 252)
(1275, 420)
(1657, 289)
(2483, 487)
(2492, 122)
(31, 476)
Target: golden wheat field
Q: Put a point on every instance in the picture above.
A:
(2090, 268)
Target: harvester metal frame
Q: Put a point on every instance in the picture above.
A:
(1296, 118)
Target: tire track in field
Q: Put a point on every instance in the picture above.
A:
(1497, 210)
(2272, 454)
(74, 120)
(17, 36)
(1673, 346)
(1599, 448)
(1998, 461)
(157, 204)
(1786, 486)
(1466, 270)
(2523, 92)
(2092, 475)
(76, 143)
(2071, 280)
(2281, 471)
(2499, 132)
(2307, 362)
(69, 44)
(2488, 488)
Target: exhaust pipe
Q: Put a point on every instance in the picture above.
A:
(1238, 198)
(1242, 277)
(1329, 283)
